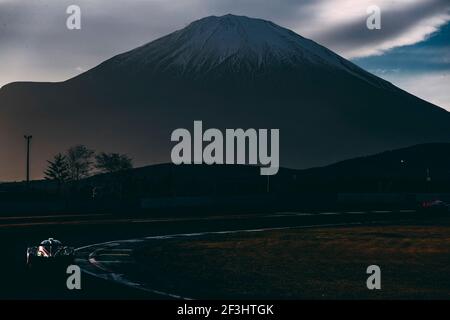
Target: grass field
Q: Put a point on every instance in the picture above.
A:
(327, 263)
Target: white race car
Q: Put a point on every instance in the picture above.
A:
(50, 252)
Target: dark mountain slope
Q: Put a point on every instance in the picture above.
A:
(230, 72)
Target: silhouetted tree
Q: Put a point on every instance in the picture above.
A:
(112, 162)
(58, 169)
(79, 159)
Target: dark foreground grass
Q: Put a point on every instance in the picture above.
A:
(328, 263)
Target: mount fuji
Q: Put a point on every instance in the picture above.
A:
(225, 48)
(230, 72)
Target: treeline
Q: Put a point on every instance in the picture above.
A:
(80, 162)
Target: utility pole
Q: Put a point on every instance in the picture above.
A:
(428, 180)
(28, 138)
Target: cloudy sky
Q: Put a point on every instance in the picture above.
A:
(412, 49)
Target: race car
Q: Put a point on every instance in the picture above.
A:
(50, 252)
(435, 206)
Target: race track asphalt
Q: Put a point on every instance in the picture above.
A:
(79, 231)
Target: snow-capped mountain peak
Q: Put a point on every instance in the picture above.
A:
(238, 40)
(228, 46)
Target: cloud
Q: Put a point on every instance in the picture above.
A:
(432, 87)
(402, 23)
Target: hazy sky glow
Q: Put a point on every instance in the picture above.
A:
(411, 49)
